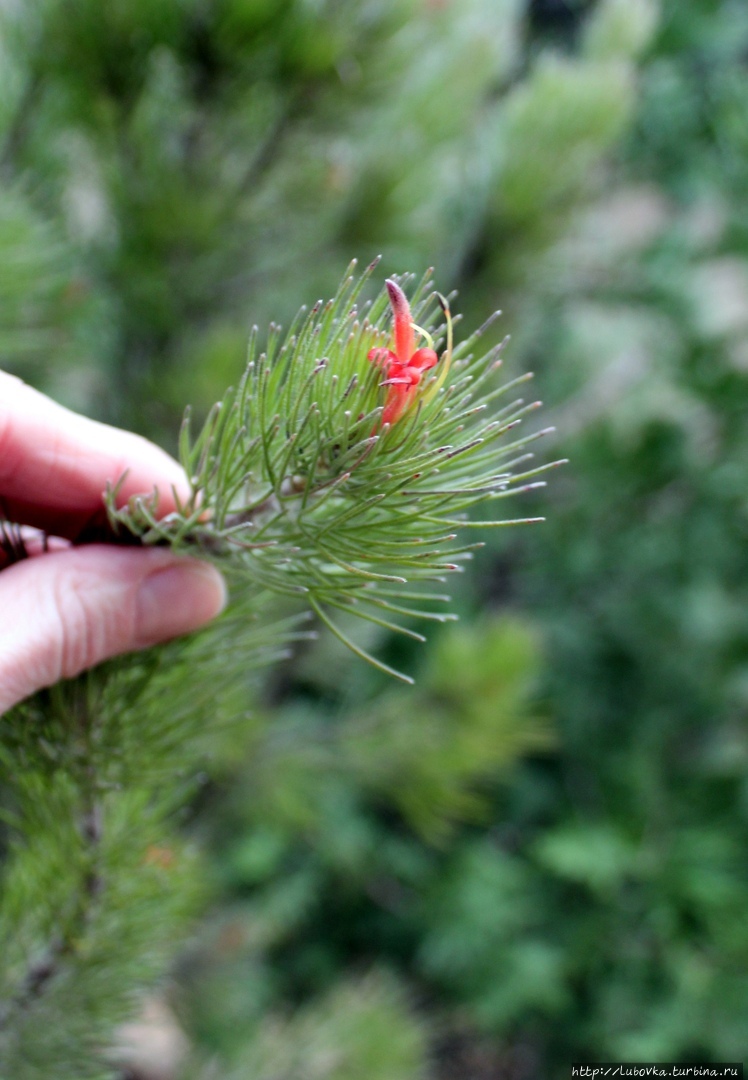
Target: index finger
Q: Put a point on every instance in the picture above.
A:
(55, 465)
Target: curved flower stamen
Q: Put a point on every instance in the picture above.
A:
(404, 365)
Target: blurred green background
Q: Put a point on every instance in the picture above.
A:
(539, 854)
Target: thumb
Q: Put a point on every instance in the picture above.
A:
(67, 610)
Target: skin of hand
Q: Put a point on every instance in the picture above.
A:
(68, 608)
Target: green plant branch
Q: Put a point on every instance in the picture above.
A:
(295, 480)
(297, 490)
(66, 942)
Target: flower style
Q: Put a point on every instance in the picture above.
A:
(404, 365)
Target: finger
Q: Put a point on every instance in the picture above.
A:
(54, 464)
(67, 610)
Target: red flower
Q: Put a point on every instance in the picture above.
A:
(404, 365)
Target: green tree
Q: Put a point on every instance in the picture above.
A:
(170, 170)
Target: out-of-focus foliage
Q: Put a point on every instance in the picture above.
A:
(338, 834)
(641, 574)
(171, 171)
(359, 1029)
(193, 166)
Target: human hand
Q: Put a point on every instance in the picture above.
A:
(68, 608)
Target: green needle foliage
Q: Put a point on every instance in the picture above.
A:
(295, 480)
(306, 499)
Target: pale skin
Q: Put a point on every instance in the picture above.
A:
(68, 608)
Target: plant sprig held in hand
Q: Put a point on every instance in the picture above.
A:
(345, 466)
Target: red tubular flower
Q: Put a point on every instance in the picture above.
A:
(404, 365)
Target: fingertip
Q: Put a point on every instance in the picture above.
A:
(68, 610)
(177, 599)
(56, 464)
(145, 467)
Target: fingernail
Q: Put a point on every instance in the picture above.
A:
(177, 599)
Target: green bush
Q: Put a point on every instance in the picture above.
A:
(538, 854)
